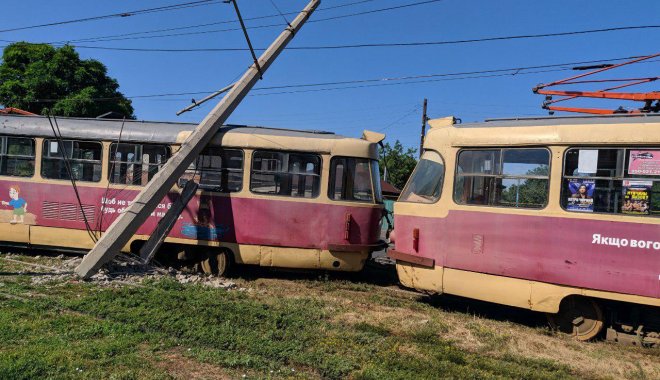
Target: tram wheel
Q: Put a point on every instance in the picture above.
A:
(579, 317)
(216, 263)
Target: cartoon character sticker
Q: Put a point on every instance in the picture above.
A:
(19, 204)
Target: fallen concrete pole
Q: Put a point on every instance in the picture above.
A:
(157, 238)
(124, 227)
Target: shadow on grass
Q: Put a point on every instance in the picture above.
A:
(486, 310)
(373, 273)
(33, 274)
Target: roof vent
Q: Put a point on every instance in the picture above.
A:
(373, 137)
(443, 122)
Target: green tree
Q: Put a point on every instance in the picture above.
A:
(399, 163)
(34, 77)
(532, 192)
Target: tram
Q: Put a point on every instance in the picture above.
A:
(268, 197)
(556, 215)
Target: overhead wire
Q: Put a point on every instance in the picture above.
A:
(399, 119)
(69, 169)
(378, 45)
(109, 37)
(165, 8)
(280, 12)
(130, 36)
(512, 71)
(113, 160)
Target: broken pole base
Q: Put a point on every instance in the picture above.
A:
(149, 249)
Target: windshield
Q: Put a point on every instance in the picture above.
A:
(425, 183)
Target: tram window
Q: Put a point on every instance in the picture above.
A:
(83, 157)
(375, 175)
(351, 180)
(425, 183)
(503, 177)
(16, 156)
(135, 164)
(479, 162)
(217, 169)
(612, 180)
(286, 174)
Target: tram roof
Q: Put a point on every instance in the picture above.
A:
(175, 133)
(601, 130)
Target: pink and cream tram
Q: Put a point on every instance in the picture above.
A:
(269, 197)
(557, 215)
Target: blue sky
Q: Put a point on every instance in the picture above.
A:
(394, 108)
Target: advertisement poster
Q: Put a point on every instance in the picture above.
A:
(636, 196)
(644, 162)
(581, 196)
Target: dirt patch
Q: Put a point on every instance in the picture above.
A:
(177, 365)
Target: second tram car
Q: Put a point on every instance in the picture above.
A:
(269, 197)
(557, 215)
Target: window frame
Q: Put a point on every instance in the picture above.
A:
(202, 187)
(112, 161)
(253, 155)
(4, 154)
(548, 178)
(44, 157)
(444, 177)
(332, 178)
(622, 178)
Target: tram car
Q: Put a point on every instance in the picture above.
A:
(268, 197)
(556, 215)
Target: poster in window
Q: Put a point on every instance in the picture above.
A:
(644, 162)
(636, 196)
(581, 196)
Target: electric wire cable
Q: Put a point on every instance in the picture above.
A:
(378, 45)
(512, 71)
(101, 39)
(110, 37)
(67, 165)
(280, 12)
(113, 160)
(118, 15)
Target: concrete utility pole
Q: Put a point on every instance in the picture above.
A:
(421, 137)
(125, 226)
(157, 238)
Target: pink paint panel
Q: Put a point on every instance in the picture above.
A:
(274, 221)
(548, 249)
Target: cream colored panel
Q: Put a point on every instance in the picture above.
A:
(503, 290)
(289, 257)
(348, 261)
(60, 237)
(421, 278)
(16, 233)
(547, 297)
(526, 294)
(622, 297)
(246, 254)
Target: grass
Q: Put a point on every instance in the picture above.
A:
(278, 328)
